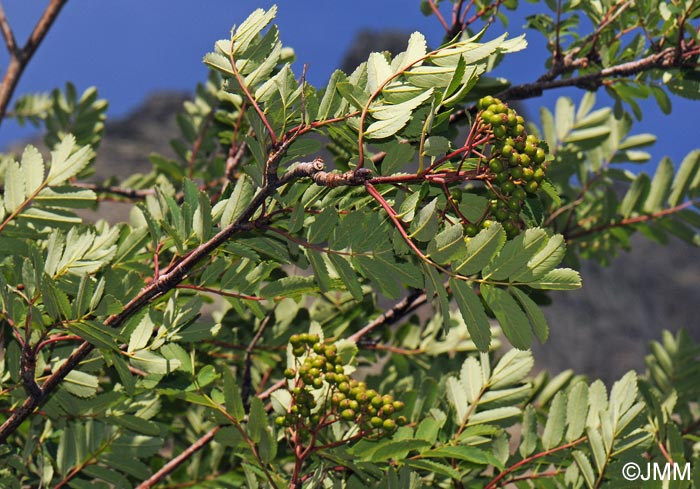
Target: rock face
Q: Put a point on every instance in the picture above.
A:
(129, 140)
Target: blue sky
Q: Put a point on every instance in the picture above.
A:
(131, 48)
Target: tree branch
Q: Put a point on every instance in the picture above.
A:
(179, 460)
(19, 58)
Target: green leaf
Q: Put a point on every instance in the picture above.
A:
(660, 186)
(378, 71)
(15, 192)
(473, 313)
(32, 168)
(257, 419)
(434, 468)
(690, 168)
(480, 250)
(558, 279)
(153, 363)
(396, 449)
(457, 396)
(534, 314)
(141, 334)
(95, 333)
(425, 225)
(512, 368)
(392, 111)
(636, 195)
(436, 146)
(576, 411)
(329, 102)
(459, 452)
(135, 424)
(447, 245)
(80, 384)
(242, 195)
(232, 395)
(473, 206)
(67, 160)
(385, 128)
(529, 432)
(544, 261)
(556, 422)
(320, 269)
(516, 254)
(417, 49)
(472, 378)
(493, 416)
(661, 98)
(70, 197)
(585, 467)
(289, 287)
(347, 275)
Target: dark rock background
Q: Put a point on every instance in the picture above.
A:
(602, 330)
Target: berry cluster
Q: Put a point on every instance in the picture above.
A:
(516, 162)
(345, 399)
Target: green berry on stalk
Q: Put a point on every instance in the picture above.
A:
(330, 352)
(540, 156)
(376, 421)
(503, 176)
(312, 339)
(317, 383)
(518, 130)
(389, 424)
(519, 194)
(280, 420)
(347, 414)
(501, 215)
(295, 340)
(486, 224)
(538, 175)
(514, 159)
(511, 121)
(515, 204)
(530, 149)
(471, 230)
(499, 132)
(507, 187)
(528, 174)
(486, 101)
(516, 173)
(525, 160)
(299, 351)
(520, 119)
(495, 165)
(510, 227)
(401, 420)
(339, 369)
(532, 186)
(344, 387)
(319, 362)
(507, 150)
(319, 348)
(289, 373)
(486, 116)
(376, 402)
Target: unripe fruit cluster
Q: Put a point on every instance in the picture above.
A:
(347, 399)
(516, 164)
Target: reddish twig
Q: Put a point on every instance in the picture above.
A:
(179, 460)
(495, 481)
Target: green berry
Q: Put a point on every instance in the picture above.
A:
(507, 150)
(507, 187)
(319, 348)
(299, 351)
(525, 160)
(519, 194)
(389, 424)
(528, 174)
(538, 176)
(398, 405)
(347, 414)
(486, 101)
(499, 132)
(280, 420)
(516, 173)
(344, 387)
(295, 340)
(289, 373)
(376, 421)
(486, 116)
(312, 339)
(532, 186)
(515, 204)
(495, 165)
(540, 156)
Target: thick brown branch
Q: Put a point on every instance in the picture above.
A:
(19, 58)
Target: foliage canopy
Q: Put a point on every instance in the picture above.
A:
(222, 336)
